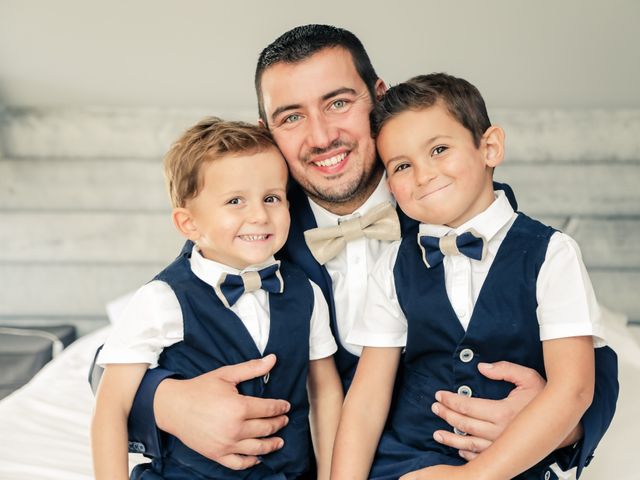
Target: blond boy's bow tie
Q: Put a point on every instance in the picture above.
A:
(380, 223)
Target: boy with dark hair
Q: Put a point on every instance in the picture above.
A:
(479, 283)
(225, 300)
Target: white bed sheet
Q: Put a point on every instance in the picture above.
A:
(44, 426)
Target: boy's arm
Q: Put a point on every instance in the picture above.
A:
(109, 426)
(543, 424)
(325, 402)
(365, 412)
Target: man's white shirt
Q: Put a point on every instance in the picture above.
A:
(152, 320)
(350, 269)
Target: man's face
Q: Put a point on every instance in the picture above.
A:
(318, 112)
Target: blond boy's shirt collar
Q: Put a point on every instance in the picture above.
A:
(210, 271)
(325, 218)
(487, 223)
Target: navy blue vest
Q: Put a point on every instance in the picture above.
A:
(296, 250)
(440, 355)
(214, 336)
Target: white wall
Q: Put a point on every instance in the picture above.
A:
(202, 53)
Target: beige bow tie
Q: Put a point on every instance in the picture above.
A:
(380, 223)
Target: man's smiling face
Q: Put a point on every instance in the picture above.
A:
(318, 112)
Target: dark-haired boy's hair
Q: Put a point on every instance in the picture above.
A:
(463, 101)
(301, 43)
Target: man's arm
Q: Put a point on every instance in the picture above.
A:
(485, 420)
(208, 414)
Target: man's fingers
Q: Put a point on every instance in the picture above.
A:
(467, 455)
(263, 427)
(264, 407)
(238, 462)
(513, 373)
(259, 446)
(246, 370)
(472, 426)
(467, 443)
(471, 407)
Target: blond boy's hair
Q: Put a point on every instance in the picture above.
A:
(208, 140)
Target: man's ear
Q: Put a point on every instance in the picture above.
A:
(261, 123)
(492, 145)
(380, 88)
(183, 220)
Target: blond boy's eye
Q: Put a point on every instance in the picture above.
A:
(234, 201)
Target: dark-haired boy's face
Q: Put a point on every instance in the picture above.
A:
(318, 112)
(434, 170)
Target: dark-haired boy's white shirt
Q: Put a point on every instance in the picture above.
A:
(567, 305)
(349, 270)
(153, 321)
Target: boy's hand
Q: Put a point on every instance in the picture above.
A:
(485, 420)
(209, 415)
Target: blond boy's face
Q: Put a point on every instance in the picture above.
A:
(241, 215)
(435, 171)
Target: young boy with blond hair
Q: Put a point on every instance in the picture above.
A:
(480, 283)
(223, 301)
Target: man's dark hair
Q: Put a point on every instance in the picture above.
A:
(302, 42)
(463, 101)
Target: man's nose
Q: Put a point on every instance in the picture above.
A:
(322, 133)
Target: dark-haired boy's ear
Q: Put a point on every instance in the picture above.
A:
(493, 146)
(380, 89)
(183, 220)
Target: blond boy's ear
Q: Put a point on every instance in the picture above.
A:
(183, 220)
(493, 146)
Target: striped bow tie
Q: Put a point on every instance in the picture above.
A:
(470, 244)
(230, 287)
(380, 223)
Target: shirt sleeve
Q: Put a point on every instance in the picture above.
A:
(382, 323)
(321, 341)
(567, 305)
(151, 322)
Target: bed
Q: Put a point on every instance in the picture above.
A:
(44, 426)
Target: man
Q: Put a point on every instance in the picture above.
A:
(316, 88)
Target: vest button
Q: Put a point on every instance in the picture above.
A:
(466, 355)
(547, 475)
(265, 379)
(465, 390)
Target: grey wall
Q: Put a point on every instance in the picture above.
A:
(201, 53)
(92, 93)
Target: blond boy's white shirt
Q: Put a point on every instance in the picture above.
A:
(153, 321)
(567, 305)
(350, 269)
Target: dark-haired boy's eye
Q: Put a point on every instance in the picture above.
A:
(402, 166)
(271, 199)
(438, 150)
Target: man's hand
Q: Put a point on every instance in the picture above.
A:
(209, 415)
(484, 420)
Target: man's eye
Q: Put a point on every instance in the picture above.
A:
(292, 118)
(338, 104)
(271, 199)
(438, 150)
